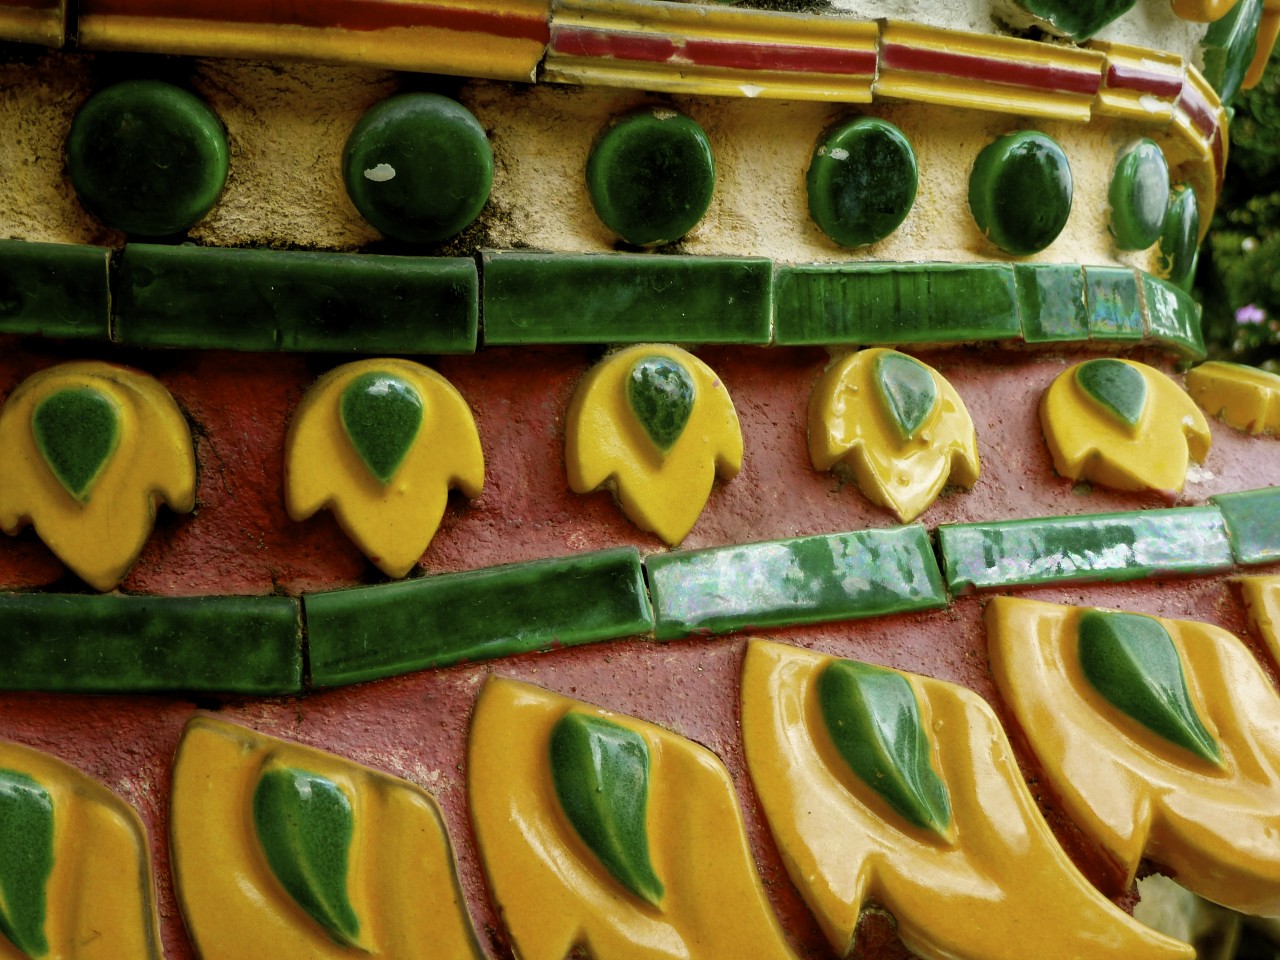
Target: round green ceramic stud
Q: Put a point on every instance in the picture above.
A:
(1181, 235)
(418, 166)
(147, 157)
(651, 175)
(862, 181)
(1139, 196)
(1020, 192)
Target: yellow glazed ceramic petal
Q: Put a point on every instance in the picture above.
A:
(1215, 827)
(555, 895)
(401, 881)
(998, 887)
(1268, 31)
(98, 898)
(1088, 443)
(1262, 600)
(1203, 11)
(99, 535)
(1245, 397)
(392, 523)
(606, 443)
(849, 424)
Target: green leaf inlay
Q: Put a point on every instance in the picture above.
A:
(1116, 387)
(601, 775)
(76, 430)
(908, 391)
(305, 825)
(873, 719)
(661, 395)
(1131, 660)
(382, 415)
(26, 859)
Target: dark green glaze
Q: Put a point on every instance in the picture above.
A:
(907, 391)
(1173, 318)
(1119, 389)
(1132, 662)
(872, 717)
(418, 166)
(1114, 303)
(1020, 192)
(651, 175)
(26, 860)
(55, 290)
(1077, 19)
(1139, 196)
(1229, 46)
(1253, 524)
(862, 181)
(381, 414)
(661, 394)
(147, 157)
(305, 825)
(601, 775)
(1180, 237)
(76, 430)
(1051, 301)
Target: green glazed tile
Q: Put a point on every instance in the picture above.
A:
(1253, 524)
(1173, 317)
(1180, 238)
(1105, 546)
(1020, 191)
(26, 860)
(1139, 196)
(55, 290)
(862, 181)
(1077, 19)
(846, 576)
(232, 299)
(625, 298)
(660, 393)
(76, 430)
(1051, 298)
(1114, 303)
(381, 415)
(1228, 47)
(126, 644)
(1117, 388)
(907, 390)
(888, 303)
(395, 628)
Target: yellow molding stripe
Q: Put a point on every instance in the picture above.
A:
(34, 21)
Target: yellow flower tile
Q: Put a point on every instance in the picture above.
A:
(1247, 398)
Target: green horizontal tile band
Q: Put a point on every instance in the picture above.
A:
(390, 629)
(781, 583)
(538, 298)
(1253, 524)
(1173, 317)
(1051, 299)
(1114, 304)
(267, 300)
(71, 643)
(58, 290)
(1104, 546)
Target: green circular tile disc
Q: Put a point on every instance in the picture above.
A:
(1020, 192)
(651, 176)
(1139, 196)
(147, 157)
(862, 181)
(418, 166)
(1181, 235)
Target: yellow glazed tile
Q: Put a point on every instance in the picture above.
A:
(1262, 601)
(40, 22)
(287, 852)
(652, 862)
(1247, 398)
(1203, 11)
(380, 443)
(1268, 31)
(75, 868)
(92, 448)
(844, 845)
(1139, 83)
(1123, 425)
(897, 425)
(656, 424)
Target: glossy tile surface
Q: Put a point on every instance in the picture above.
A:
(1180, 237)
(1076, 19)
(862, 181)
(34, 21)
(57, 290)
(1229, 45)
(1246, 398)
(1173, 317)
(1261, 597)
(1139, 195)
(1253, 523)
(1020, 192)
(1051, 301)
(1114, 303)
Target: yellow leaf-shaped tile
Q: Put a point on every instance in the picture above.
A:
(92, 449)
(993, 885)
(380, 443)
(897, 425)
(1245, 397)
(602, 832)
(1262, 601)
(657, 424)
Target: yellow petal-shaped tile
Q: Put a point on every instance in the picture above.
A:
(993, 885)
(284, 851)
(75, 866)
(1262, 601)
(897, 425)
(657, 866)
(380, 443)
(91, 450)
(1194, 787)
(656, 423)
(1244, 397)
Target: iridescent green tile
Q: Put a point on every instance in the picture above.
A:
(58, 290)
(1114, 303)
(1173, 317)
(1052, 300)
(1253, 524)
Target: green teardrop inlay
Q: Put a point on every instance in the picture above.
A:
(1131, 660)
(305, 825)
(873, 719)
(76, 430)
(382, 415)
(1117, 387)
(661, 395)
(26, 859)
(601, 775)
(908, 391)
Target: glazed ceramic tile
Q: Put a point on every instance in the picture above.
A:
(1180, 237)
(1051, 302)
(1173, 317)
(34, 21)
(93, 450)
(55, 290)
(286, 851)
(1020, 192)
(1253, 524)
(1261, 597)
(894, 788)
(1229, 46)
(386, 630)
(381, 443)
(657, 426)
(1139, 195)
(603, 833)
(1114, 304)
(1074, 19)
(862, 181)
(1246, 398)
(1139, 83)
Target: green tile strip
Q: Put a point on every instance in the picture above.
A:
(1173, 318)
(786, 582)
(58, 290)
(122, 644)
(1105, 546)
(1051, 300)
(1253, 524)
(1114, 304)
(386, 630)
